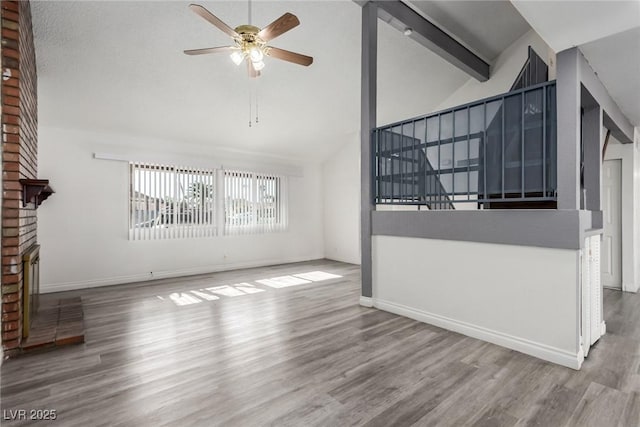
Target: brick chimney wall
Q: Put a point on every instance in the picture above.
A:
(19, 160)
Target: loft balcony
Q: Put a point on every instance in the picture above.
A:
(495, 153)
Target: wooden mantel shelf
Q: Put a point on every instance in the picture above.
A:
(35, 190)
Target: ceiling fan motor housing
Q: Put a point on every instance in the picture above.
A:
(249, 36)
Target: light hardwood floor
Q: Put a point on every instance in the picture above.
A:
(308, 355)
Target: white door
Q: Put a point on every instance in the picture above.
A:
(611, 251)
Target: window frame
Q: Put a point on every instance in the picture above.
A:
(209, 218)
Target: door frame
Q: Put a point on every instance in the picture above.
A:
(618, 254)
(625, 152)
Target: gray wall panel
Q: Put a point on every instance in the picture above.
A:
(592, 136)
(542, 228)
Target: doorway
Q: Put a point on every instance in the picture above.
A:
(611, 261)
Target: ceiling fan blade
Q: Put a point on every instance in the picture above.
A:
(289, 56)
(253, 73)
(220, 49)
(279, 27)
(204, 13)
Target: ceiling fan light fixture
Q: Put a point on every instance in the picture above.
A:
(250, 42)
(256, 54)
(237, 57)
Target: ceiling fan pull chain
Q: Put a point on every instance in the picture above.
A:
(256, 103)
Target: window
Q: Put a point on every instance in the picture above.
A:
(167, 202)
(254, 203)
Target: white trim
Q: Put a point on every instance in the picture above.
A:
(366, 301)
(603, 328)
(625, 154)
(121, 280)
(107, 156)
(539, 350)
(220, 162)
(197, 163)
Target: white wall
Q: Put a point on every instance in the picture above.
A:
(83, 226)
(636, 206)
(628, 153)
(520, 297)
(341, 203)
(504, 71)
(411, 79)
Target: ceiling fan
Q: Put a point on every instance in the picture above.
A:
(250, 42)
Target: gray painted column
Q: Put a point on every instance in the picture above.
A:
(367, 124)
(592, 135)
(568, 105)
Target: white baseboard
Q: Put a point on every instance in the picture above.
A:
(625, 287)
(46, 288)
(603, 328)
(346, 260)
(366, 301)
(539, 350)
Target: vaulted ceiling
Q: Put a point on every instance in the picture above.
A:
(118, 67)
(485, 27)
(607, 33)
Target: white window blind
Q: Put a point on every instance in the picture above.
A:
(254, 202)
(168, 202)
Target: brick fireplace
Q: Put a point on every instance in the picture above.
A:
(19, 161)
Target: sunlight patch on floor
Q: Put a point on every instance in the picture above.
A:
(248, 288)
(205, 295)
(297, 279)
(196, 296)
(283, 282)
(226, 290)
(183, 298)
(317, 276)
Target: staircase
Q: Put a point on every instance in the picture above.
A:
(520, 141)
(495, 153)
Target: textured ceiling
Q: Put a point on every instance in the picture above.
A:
(607, 33)
(616, 59)
(486, 27)
(564, 24)
(119, 67)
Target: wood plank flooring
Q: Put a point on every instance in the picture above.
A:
(242, 351)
